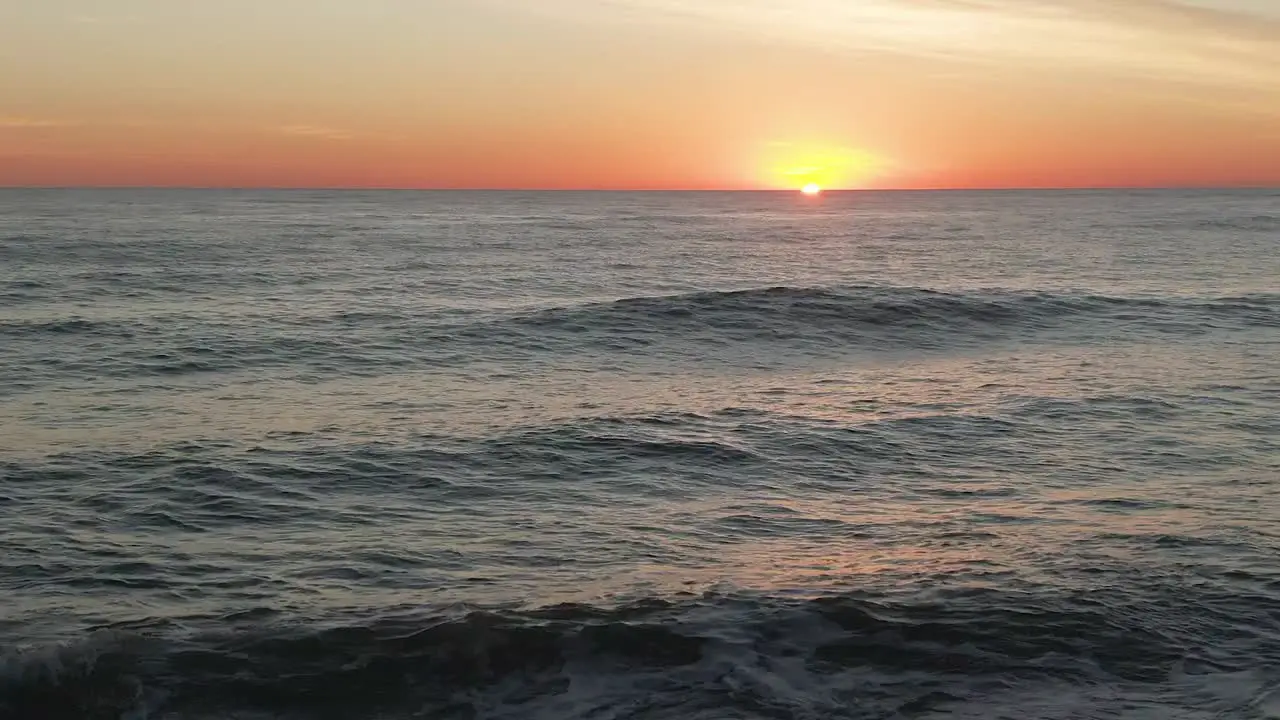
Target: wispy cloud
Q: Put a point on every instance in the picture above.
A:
(315, 131)
(11, 122)
(107, 19)
(1170, 38)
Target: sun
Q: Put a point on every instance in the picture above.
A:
(815, 167)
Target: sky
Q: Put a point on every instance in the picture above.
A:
(640, 94)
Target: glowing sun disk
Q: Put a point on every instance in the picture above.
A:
(811, 189)
(798, 165)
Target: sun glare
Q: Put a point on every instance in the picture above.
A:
(814, 166)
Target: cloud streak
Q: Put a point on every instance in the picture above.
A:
(11, 122)
(315, 131)
(1164, 38)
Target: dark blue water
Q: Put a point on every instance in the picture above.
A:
(344, 455)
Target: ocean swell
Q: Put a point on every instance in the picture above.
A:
(773, 310)
(765, 327)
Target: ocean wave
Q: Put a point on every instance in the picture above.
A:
(1256, 223)
(84, 327)
(762, 327)
(713, 655)
(773, 310)
(765, 326)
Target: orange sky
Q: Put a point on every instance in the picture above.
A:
(640, 93)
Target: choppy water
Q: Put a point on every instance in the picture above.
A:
(680, 456)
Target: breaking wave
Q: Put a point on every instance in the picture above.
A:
(713, 655)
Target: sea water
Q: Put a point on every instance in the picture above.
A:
(348, 455)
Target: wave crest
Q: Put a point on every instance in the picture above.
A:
(742, 655)
(781, 313)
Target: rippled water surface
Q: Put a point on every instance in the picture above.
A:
(627, 456)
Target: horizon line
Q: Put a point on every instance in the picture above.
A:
(397, 188)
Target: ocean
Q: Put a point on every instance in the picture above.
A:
(301, 455)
